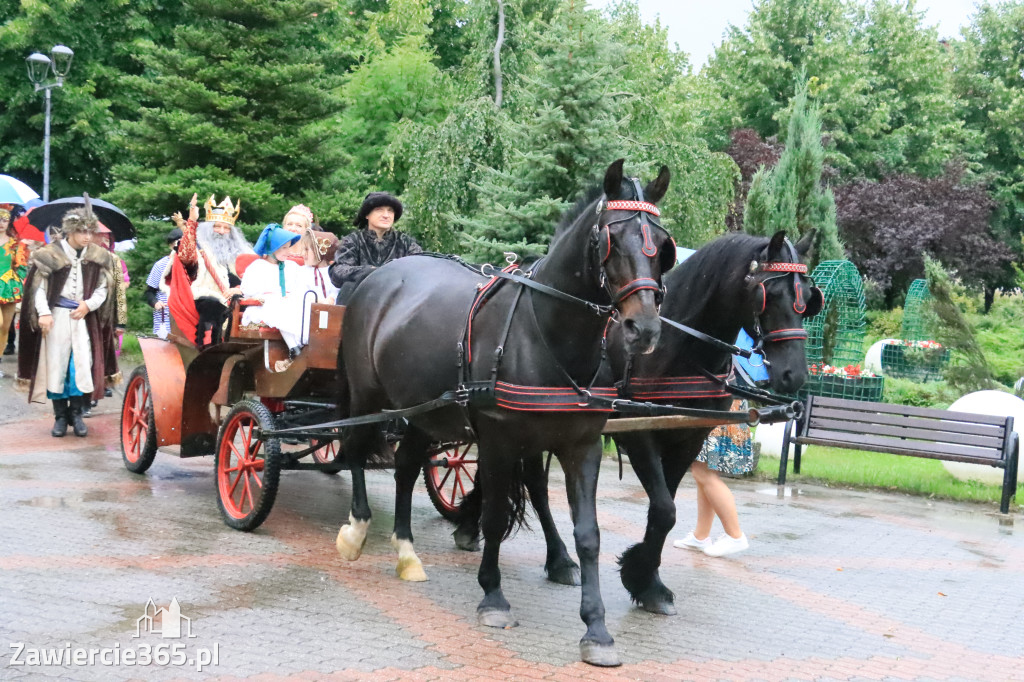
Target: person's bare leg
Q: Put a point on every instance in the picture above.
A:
(719, 499)
(705, 514)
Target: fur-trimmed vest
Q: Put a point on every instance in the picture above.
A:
(51, 264)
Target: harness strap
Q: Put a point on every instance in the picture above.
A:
(597, 308)
(644, 283)
(717, 343)
(785, 335)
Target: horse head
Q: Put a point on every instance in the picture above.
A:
(630, 251)
(780, 296)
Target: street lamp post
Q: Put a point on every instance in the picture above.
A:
(39, 67)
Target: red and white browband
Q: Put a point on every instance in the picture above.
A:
(784, 267)
(644, 206)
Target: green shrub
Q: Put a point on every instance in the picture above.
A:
(931, 394)
(883, 324)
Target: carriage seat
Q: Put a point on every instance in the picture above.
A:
(255, 332)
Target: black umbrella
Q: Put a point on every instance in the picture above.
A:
(50, 215)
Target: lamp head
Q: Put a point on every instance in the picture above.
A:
(38, 67)
(61, 55)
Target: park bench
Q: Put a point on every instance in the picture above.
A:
(905, 430)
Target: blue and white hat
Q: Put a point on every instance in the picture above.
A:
(273, 238)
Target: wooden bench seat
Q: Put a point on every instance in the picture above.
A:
(905, 430)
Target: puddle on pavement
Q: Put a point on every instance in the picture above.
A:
(787, 491)
(77, 500)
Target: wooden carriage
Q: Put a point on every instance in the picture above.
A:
(220, 400)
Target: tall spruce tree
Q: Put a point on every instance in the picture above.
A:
(791, 196)
(237, 104)
(563, 136)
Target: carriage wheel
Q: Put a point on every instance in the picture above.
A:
(447, 485)
(329, 457)
(138, 430)
(248, 467)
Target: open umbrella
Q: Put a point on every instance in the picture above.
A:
(50, 215)
(14, 191)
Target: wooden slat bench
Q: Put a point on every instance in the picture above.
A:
(905, 430)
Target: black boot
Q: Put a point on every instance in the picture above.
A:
(78, 404)
(60, 418)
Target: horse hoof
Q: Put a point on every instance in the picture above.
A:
(467, 542)
(496, 618)
(411, 569)
(661, 608)
(349, 547)
(603, 655)
(565, 575)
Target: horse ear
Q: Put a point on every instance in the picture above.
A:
(655, 191)
(775, 246)
(613, 179)
(803, 247)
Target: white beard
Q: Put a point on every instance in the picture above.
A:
(224, 248)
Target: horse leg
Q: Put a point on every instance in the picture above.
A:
(559, 565)
(639, 564)
(496, 478)
(581, 466)
(467, 525)
(408, 463)
(352, 535)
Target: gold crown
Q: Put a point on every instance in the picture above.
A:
(224, 212)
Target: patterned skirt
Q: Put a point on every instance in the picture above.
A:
(728, 448)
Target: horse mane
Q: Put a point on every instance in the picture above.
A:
(728, 254)
(570, 216)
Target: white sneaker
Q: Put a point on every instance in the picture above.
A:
(691, 542)
(727, 545)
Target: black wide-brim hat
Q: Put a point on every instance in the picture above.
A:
(376, 200)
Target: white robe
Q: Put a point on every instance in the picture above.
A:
(289, 313)
(67, 334)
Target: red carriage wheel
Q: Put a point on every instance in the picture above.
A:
(329, 457)
(138, 430)
(450, 475)
(248, 466)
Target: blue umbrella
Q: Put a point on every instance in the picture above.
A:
(14, 191)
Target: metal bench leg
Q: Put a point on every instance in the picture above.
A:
(784, 455)
(1010, 476)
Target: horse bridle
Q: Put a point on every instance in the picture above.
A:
(601, 240)
(780, 270)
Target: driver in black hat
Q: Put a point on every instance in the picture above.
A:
(371, 246)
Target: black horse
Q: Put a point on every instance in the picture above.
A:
(404, 331)
(735, 282)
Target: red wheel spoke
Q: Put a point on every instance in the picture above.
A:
(248, 492)
(447, 473)
(231, 491)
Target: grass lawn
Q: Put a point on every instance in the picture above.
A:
(835, 466)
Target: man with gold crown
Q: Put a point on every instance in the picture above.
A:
(66, 347)
(208, 251)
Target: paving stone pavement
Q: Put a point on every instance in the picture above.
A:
(837, 585)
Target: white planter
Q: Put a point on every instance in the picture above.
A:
(997, 404)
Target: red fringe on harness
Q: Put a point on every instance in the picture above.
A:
(473, 309)
(677, 388)
(549, 398)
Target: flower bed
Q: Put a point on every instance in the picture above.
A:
(850, 382)
(915, 360)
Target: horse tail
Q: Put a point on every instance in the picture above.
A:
(516, 497)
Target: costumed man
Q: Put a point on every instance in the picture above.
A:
(371, 246)
(281, 285)
(208, 251)
(66, 346)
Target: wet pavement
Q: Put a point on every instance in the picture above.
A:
(837, 585)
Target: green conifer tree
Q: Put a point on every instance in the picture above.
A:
(237, 104)
(563, 137)
(790, 196)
